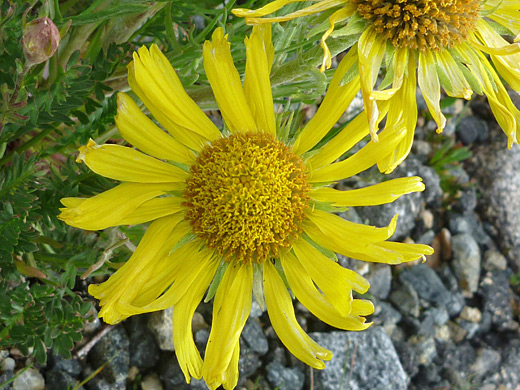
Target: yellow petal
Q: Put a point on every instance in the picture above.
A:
(110, 207)
(401, 120)
(186, 137)
(126, 283)
(505, 112)
(267, 9)
(430, 87)
(340, 14)
(333, 280)
(226, 84)
(254, 16)
(175, 269)
(153, 209)
(369, 155)
(231, 375)
(355, 240)
(505, 56)
(385, 192)
(307, 293)
(351, 233)
(459, 86)
(259, 58)
(186, 351)
(141, 132)
(353, 132)
(333, 106)
(409, 251)
(283, 320)
(230, 311)
(126, 164)
(504, 12)
(362, 307)
(371, 50)
(161, 85)
(399, 65)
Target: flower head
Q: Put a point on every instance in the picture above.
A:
(237, 208)
(433, 43)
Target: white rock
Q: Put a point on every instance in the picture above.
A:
(30, 379)
(151, 382)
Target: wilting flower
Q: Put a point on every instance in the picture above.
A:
(238, 211)
(445, 42)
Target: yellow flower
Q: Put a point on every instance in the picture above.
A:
(237, 211)
(445, 42)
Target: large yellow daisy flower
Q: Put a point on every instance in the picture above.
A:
(236, 211)
(444, 42)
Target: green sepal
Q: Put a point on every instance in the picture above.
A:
(258, 286)
(213, 287)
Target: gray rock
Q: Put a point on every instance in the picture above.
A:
(362, 361)
(406, 299)
(426, 238)
(467, 201)
(385, 314)
(408, 208)
(256, 310)
(97, 383)
(424, 347)
(7, 364)
(70, 366)
(429, 286)
(112, 350)
(471, 129)
(254, 336)
(408, 357)
(30, 379)
(144, 352)
(459, 175)
(508, 374)
(457, 362)
(380, 278)
(496, 294)
(248, 363)
(412, 167)
(487, 362)
(469, 223)
(466, 261)
(57, 379)
(6, 376)
(422, 150)
(493, 260)
(172, 377)
(433, 318)
(285, 378)
(201, 338)
(496, 170)
(161, 326)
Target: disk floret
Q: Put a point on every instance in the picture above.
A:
(421, 24)
(246, 196)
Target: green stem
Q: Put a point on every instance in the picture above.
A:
(33, 141)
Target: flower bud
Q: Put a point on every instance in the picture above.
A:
(40, 40)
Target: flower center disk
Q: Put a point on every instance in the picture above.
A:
(421, 24)
(246, 196)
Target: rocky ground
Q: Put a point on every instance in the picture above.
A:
(449, 323)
